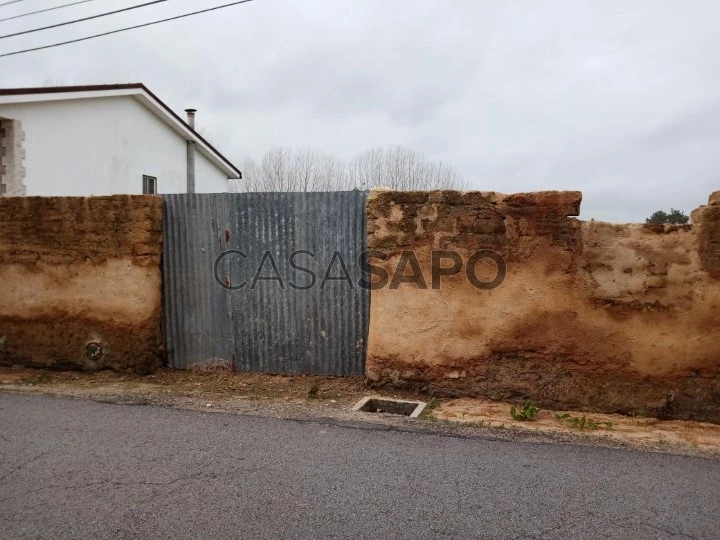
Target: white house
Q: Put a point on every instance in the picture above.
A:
(103, 140)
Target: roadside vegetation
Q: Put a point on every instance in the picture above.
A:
(527, 413)
(581, 422)
(432, 404)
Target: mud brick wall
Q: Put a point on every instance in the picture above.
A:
(80, 282)
(593, 316)
(707, 220)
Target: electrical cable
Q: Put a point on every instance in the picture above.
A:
(44, 10)
(99, 15)
(124, 29)
(13, 2)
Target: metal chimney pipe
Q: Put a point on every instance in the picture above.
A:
(191, 152)
(191, 117)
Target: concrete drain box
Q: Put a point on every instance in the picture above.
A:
(375, 404)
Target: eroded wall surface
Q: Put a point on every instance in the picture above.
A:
(590, 315)
(80, 282)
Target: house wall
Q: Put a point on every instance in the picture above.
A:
(80, 282)
(208, 179)
(590, 315)
(103, 146)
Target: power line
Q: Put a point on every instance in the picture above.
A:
(124, 29)
(83, 19)
(44, 10)
(13, 2)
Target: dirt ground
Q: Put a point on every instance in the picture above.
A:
(332, 398)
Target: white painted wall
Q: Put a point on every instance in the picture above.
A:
(208, 178)
(103, 146)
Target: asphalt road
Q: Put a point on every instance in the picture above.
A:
(77, 469)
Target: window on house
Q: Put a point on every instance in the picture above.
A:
(149, 185)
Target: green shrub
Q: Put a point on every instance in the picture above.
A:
(526, 413)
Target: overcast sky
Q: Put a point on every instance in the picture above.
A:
(619, 99)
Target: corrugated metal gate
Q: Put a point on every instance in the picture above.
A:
(238, 288)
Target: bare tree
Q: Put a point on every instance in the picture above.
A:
(282, 169)
(401, 168)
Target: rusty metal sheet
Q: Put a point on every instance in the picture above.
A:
(235, 295)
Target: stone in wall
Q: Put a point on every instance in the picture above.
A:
(12, 156)
(80, 282)
(595, 316)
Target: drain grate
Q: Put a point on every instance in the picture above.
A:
(373, 404)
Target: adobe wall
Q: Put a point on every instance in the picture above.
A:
(80, 282)
(594, 316)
